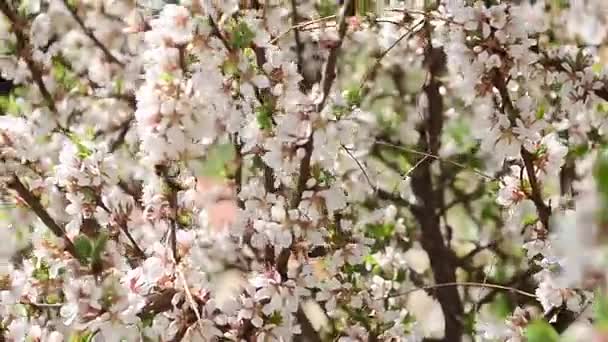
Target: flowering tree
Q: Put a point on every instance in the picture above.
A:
(303, 170)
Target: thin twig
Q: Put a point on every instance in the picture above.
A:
(163, 172)
(443, 160)
(299, 26)
(466, 284)
(215, 30)
(329, 75)
(409, 172)
(140, 253)
(91, 35)
(43, 305)
(370, 71)
(25, 51)
(33, 202)
(374, 187)
(425, 14)
(485, 281)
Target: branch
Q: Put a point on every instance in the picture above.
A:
(163, 172)
(374, 67)
(215, 30)
(24, 50)
(436, 157)
(329, 75)
(443, 260)
(371, 185)
(544, 211)
(467, 284)
(158, 302)
(92, 36)
(34, 204)
(306, 83)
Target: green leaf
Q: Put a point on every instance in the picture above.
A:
(166, 77)
(84, 247)
(541, 331)
(601, 172)
(353, 96)
(82, 336)
(73, 4)
(601, 178)
(41, 272)
(53, 298)
(275, 318)
(327, 8)
(9, 105)
(216, 162)
(263, 115)
(83, 151)
(600, 308)
(540, 112)
(381, 231)
(501, 306)
(98, 247)
(119, 85)
(241, 35)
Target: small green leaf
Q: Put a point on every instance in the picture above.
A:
(601, 178)
(275, 318)
(540, 112)
(73, 3)
(81, 336)
(601, 171)
(327, 8)
(83, 151)
(263, 114)
(241, 35)
(216, 162)
(83, 247)
(541, 331)
(119, 85)
(41, 272)
(353, 97)
(501, 306)
(9, 104)
(601, 311)
(98, 247)
(166, 77)
(381, 231)
(53, 298)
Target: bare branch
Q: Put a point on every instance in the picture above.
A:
(91, 35)
(44, 216)
(467, 284)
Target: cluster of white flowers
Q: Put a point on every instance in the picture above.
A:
(282, 170)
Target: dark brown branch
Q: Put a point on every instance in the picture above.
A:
(443, 260)
(91, 35)
(158, 302)
(24, 49)
(238, 173)
(544, 211)
(163, 172)
(44, 216)
(329, 75)
(305, 168)
(306, 83)
(215, 30)
(120, 139)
